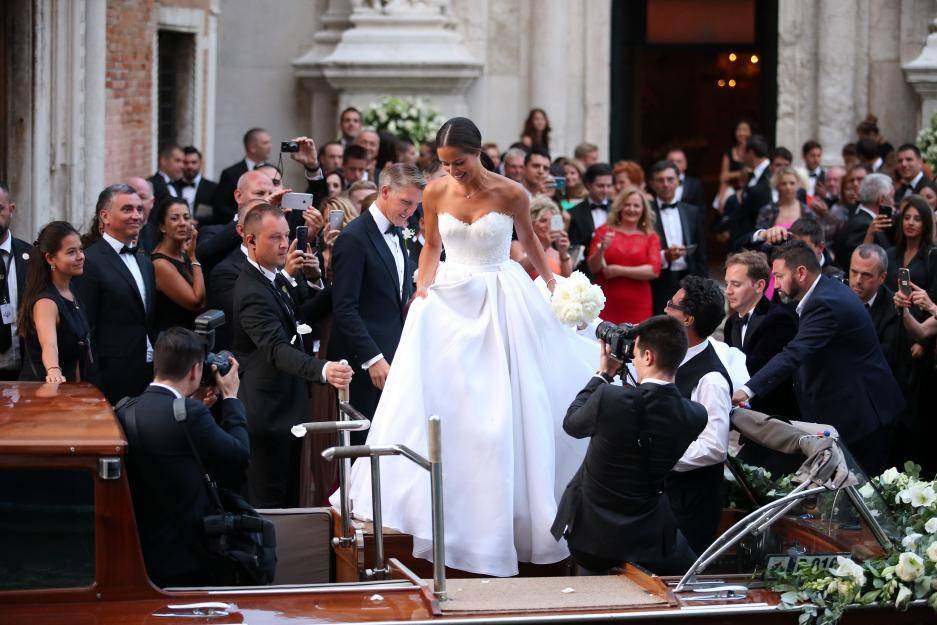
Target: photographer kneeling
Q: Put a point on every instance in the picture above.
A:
(165, 464)
(613, 510)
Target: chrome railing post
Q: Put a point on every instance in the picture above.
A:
(344, 471)
(380, 566)
(439, 531)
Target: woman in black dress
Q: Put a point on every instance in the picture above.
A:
(51, 319)
(180, 286)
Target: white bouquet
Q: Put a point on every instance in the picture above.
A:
(576, 301)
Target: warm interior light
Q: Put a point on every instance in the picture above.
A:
(721, 83)
(732, 56)
(732, 82)
(754, 58)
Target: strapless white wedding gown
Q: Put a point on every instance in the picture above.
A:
(485, 353)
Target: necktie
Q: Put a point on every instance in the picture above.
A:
(868, 307)
(129, 249)
(744, 319)
(6, 330)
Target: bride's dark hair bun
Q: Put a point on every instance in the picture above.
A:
(461, 133)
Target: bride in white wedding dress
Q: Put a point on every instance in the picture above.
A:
(481, 349)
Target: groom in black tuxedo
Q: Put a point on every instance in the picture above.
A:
(373, 281)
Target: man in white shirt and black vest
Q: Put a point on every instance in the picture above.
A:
(694, 487)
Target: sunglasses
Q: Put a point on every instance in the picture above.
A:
(670, 304)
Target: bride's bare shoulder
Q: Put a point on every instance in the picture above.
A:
(435, 189)
(506, 188)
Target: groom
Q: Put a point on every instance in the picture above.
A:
(373, 281)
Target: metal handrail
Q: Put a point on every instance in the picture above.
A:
(434, 465)
(757, 520)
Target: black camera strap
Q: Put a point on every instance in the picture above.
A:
(179, 414)
(644, 440)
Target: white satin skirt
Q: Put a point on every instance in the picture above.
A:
(485, 353)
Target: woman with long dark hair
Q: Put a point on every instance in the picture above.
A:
(51, 319)
(914, 245)
(537, 129)
(180, 287)
(480, 312)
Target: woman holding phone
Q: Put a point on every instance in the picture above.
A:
(914, 245)
(625, 256)
(180, 287)
(548, 227)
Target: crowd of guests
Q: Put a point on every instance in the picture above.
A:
(813, 299)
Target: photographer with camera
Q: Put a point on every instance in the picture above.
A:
(613, 510)
(168, 459)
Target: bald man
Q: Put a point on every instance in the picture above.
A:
(149, 233)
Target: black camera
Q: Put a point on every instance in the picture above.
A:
(205, 326)
(620, 338)
(289, 146)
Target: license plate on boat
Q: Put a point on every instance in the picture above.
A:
(784, 563)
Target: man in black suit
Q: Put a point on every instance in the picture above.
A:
(910, 170)
(257, 148)
(169, 173)
(871, 222)
(755, 194)
(613, 511)
(694, 487)
(812, 153)
(198, 191)
(167, 480)
(867, 272)
(592, 212)
(15, 255)
(759, 327)
(840, 373)
(268, 340)
(690, 189)
(149, 233)
(118, 288)
(372, 283)
(680, 229)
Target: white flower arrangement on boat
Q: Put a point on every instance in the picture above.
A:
(576, 301)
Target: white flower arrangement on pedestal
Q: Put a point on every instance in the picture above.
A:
(927, 142)
(576, 301)
(408, 118)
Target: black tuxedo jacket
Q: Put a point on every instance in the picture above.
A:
(581, 230)
(204, 196)
(18, 264)
(275, 368)
(667, 283)
(693, 193)
(225, 453)
(225, 206)
(742, 220)
(215, 243)
(852, 234)
(368, 312)
(161, 191)
(120, 320)
(905, 188)
(613, 508)
(771, 327)
(891, 334)
(835, 328)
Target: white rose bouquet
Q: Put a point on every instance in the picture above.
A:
(576, 301)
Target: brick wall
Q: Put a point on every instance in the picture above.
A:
(131, 26)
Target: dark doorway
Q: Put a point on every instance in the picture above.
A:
(684, 72)
(175, 87)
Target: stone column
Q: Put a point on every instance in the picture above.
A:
(922, 75)
(548, 78)
(836, 80)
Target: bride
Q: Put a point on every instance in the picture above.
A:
(481, 349)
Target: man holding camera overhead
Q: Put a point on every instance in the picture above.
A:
(613, 510)
(268, 333)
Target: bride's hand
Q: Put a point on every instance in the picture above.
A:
(421, 292)
(551, 284)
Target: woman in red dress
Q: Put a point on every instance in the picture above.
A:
(625, 256)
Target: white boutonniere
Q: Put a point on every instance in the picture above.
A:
(25, 255)
(408, 233)
(301, 328)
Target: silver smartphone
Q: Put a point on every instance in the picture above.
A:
(904, 281)
(336, 217)
(575, 253)
(296, 201)
(556, 222)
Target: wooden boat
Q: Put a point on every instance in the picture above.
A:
(70, 552)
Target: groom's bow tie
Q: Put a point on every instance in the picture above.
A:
(392, 229)
(665, 206)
